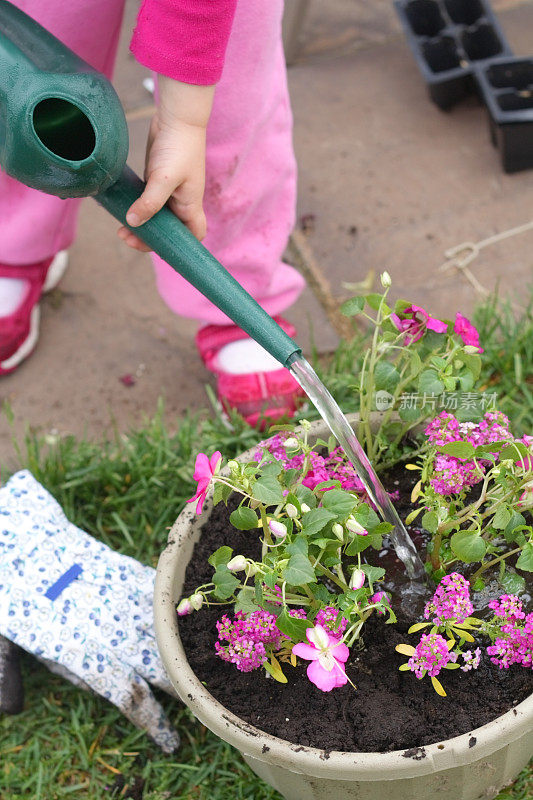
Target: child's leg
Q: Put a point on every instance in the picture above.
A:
(250, 171)
(34, 225)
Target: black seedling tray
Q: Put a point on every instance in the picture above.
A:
(449, 37)
(506, 86)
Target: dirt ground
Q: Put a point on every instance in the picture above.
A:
(386, 181)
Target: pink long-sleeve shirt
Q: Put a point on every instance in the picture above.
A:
(184, 39)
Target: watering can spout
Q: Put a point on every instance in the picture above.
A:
(63, 131)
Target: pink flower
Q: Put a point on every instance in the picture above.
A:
(431, 655)
(327, 656)
(464, 328)
(380, 597)
(415, 322)
(451, 601)
(331, 619)
(204, 470)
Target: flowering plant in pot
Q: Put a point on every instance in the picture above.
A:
(299, 601)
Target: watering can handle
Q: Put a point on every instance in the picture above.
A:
(176, 245)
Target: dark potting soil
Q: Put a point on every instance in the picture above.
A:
(390, 710)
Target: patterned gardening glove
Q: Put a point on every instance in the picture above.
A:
(80, 607)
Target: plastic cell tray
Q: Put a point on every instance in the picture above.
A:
(506, 86)
(448, 38)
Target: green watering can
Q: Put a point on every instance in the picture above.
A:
(63, 131)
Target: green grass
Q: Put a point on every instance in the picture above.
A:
(127, 492)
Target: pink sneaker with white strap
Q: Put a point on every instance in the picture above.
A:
(19, 331)
(262, 394)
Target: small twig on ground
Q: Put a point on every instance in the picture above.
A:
(462, 255)
(307, 264)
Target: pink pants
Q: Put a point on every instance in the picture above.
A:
(251, 173)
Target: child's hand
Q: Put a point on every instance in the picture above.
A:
(175, 159)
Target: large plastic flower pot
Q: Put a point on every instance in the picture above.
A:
(469, 767)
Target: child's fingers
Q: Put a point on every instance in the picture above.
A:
(132, 241)
(158, 189)
(191, 214)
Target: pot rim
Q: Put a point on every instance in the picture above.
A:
(253, 742)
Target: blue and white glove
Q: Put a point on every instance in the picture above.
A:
(80, 607)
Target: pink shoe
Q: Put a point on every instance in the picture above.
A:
(19, 331)
(260, 397)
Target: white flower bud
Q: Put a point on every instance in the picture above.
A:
(291, 443)
(291, 510)
(250, 569)
(277, 528)
(355, 527)
(338, 530)
(184, 607)
(386, 280)
(196, 600)
(233, 466)
(305, 508)
(305, 424)
(357, 579)
(237, 564)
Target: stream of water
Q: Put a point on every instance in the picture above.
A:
(345, 435)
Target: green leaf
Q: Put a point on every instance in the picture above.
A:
(293, 627)
(381, 529)
(298, 545)
(273, 667)
(430, 521)
(462, 450)
(299, 570)
(225, 583)
(513, 451)
(268, 491)
(512, 583)
(525, 561)
(386, 376)
(243, 518)
(339, 502)
(305, 495)
(410, 414)
(367, 517)
(413, 515)
(429, 383)
(374, 301)
(353, 306)
(418, 627)
(439, 688)
(516, 521)
(405, 649)
(468, 546)
(315, 520)
(373, 573)
(501, 518)
(357, 545)
(473, 362)
(416, 363)
(221, 493)
(245, 601)
(466, 381)
(220, 556)
(272, 468)
(289, 476)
